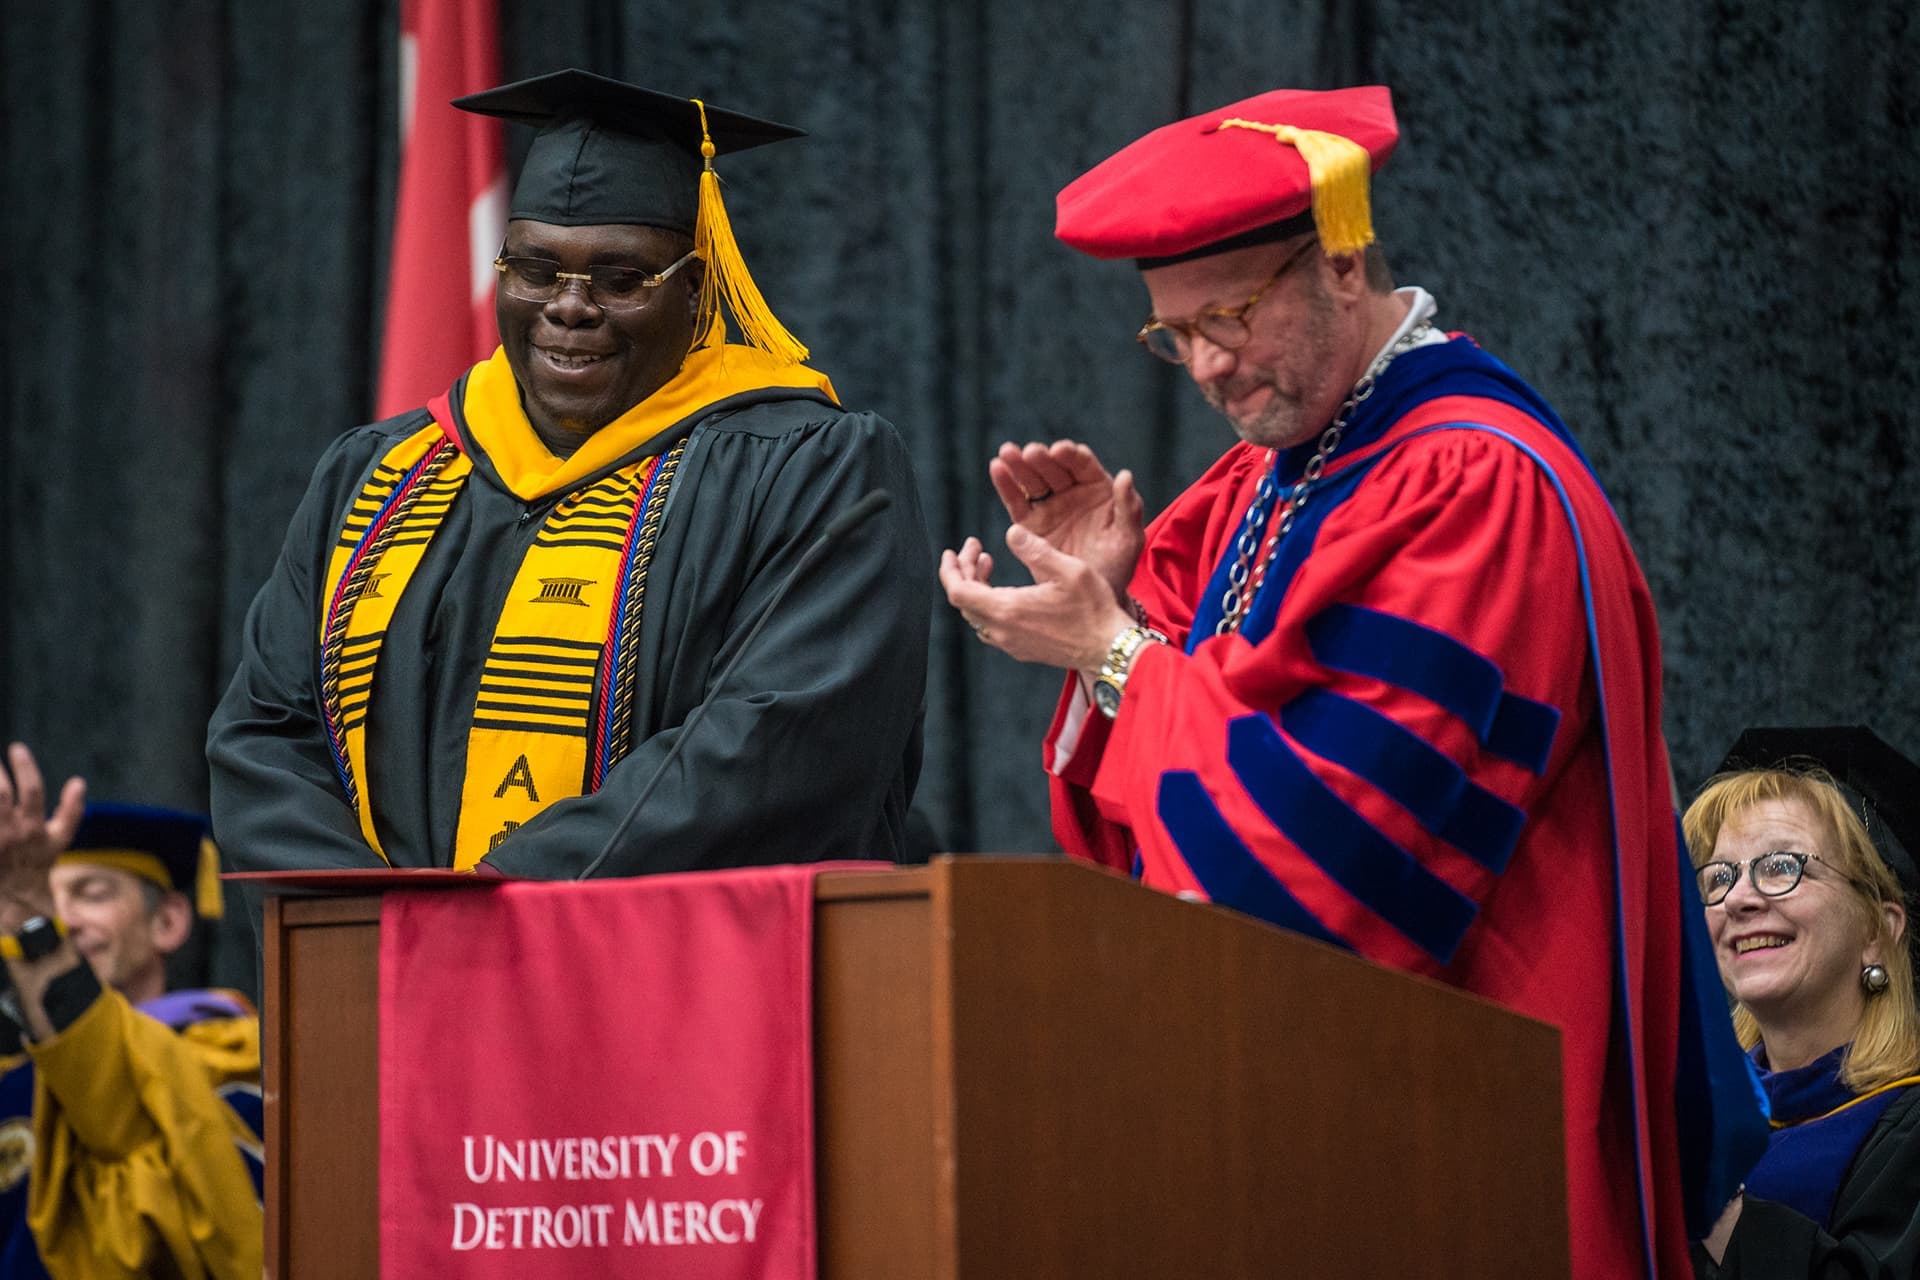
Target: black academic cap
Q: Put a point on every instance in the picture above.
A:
(612, 152)
(172, 849)
(1862, 762)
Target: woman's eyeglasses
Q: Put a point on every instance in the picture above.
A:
(1773, 874)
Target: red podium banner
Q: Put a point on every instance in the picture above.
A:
(534, 1123)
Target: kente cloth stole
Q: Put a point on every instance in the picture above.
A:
(554, 710)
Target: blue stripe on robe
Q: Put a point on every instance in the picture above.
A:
(1720, 1106)
(1404, 766)
(1396, 651)
(1327, 495)
(1353, 853)
(1226, 869)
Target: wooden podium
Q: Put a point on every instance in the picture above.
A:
(1026, 1067)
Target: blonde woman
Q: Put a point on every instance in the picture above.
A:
(1809, 926)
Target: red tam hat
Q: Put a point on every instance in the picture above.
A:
(1259, 170)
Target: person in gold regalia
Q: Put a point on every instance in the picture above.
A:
(130, 1115)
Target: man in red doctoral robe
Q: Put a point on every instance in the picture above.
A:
(1388, 674)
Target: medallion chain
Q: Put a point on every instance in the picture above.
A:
(1246, 574)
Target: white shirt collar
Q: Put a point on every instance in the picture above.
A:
(1420, 310)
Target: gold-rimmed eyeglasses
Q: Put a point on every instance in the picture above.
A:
(609, 288)
(1226, 327)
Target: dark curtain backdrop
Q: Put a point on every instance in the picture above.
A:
(1691, 225)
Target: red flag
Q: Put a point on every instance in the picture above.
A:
(451, 205)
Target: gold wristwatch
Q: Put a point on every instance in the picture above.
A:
(1112, 680)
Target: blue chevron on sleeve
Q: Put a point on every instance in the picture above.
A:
(1399, 652)
(1381, 875)
(1223, 865)
(1405, 767)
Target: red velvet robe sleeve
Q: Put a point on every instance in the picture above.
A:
(1183, 543)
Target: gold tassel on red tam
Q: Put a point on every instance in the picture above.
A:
(1339, 169)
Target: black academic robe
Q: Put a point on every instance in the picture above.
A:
(1874, 1233)
(810, 751)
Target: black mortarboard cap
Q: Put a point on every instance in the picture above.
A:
(1862, 762)
(172, 849)
(612, 152)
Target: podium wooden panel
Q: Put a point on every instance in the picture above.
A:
(1026, 1067)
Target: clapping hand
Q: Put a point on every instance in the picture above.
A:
(30, 838)
(1079, 531)
(1063, 493)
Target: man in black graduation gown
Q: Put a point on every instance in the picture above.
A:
(493, 616)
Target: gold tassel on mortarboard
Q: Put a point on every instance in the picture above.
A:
(1339, 169)
(727, 270)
